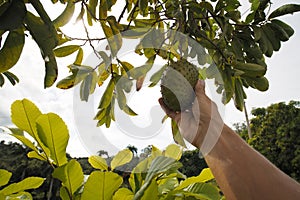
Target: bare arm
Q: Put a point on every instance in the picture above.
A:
(240, 171)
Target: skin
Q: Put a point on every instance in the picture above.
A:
(240, 171)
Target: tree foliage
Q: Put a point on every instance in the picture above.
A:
(231, 46)
(156, 176)
(276, 135)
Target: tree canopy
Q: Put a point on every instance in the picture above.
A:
(276, 135)
(229, 46)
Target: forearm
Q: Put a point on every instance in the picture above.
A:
(242, 173)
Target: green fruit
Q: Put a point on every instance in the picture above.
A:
(177, 85)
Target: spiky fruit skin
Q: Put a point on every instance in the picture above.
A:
(177, 85)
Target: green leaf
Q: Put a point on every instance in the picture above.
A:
(204, 176)
(70, 175)
(101, 185)
(176, 134)
(107, 96)
(143, 5)
(66, 15)
(159, 165)
(26, 184)
(35, 154)
(4, 177)
(54, 133)
(151, 192)
(92, 10)
(12, 14)
(250, 69)
(4, 5)
(1, 80)
(289, 30)
(51, 70)
(285, 9)
(63, 193)
(203, 191)
(18, 133)
(114, 38)
(173, 151)
(98, 162)
(129, 111)
(86, 87)
(124, 194)
(65, 50)
(121, 158)
(24, 115)
(79, 57)
(47, 39)
(11, 49)
(13, 79)
(155, 78)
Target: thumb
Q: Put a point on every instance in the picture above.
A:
(200, 88)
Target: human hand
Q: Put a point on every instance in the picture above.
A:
(202, 125)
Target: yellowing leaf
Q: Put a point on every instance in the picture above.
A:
(5, 176)
(53, 132)
(101, 185)
(27, 183)
(107, 96)
(173, 151)
(121, 158)
(98, 162)
(65, 50)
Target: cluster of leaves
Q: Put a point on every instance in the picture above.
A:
(212, 32)
(14, 159)
(155, 177)
(276, 135)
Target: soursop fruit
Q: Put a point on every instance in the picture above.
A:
(177, 85)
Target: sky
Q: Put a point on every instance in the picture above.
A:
(145, 129)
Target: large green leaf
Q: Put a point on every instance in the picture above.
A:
(285, 9)
(54, 133)
(121, 158)
(26, 184)
(98, 162)
(70, 175)
(24, 115)
(101, 185)
(204, 176)
(47, 40)
(11, 49)
(4, 177)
